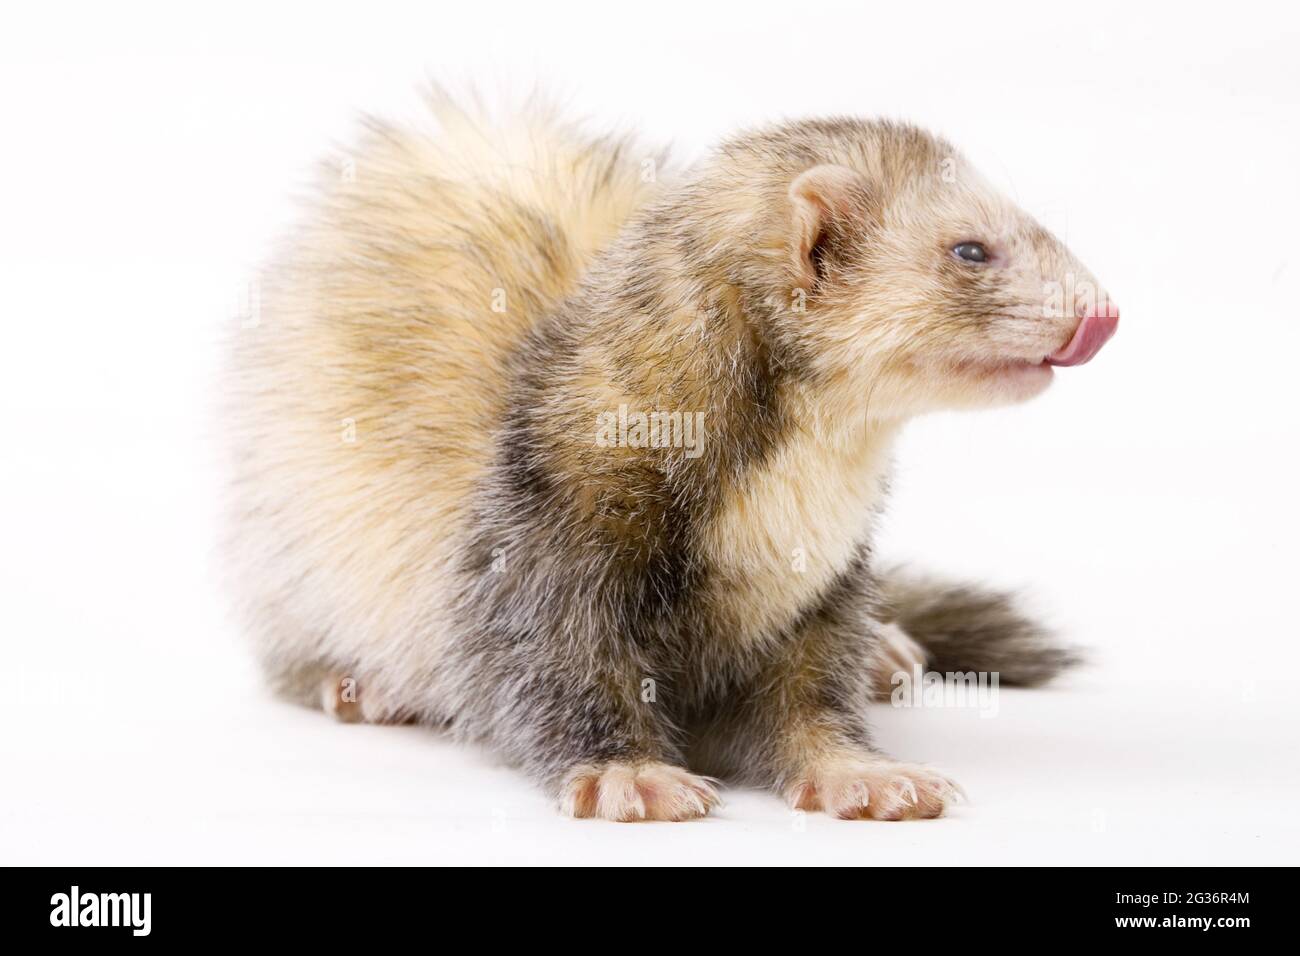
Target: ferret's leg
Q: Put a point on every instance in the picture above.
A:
(802, 730)
(619, 763)
(581, 724)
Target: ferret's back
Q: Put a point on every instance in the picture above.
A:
(366, 391)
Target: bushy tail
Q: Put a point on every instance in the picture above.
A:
(964, 627)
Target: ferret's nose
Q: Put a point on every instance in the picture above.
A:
(1097, 323)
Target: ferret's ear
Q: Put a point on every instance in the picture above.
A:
(827, 201)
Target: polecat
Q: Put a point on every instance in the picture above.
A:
(580, 459)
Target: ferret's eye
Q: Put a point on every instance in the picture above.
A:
(970, 252)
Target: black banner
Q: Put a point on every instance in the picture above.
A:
(236, 905)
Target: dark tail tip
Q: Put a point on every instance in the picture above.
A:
(964, 627)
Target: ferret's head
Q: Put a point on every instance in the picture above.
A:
(910, 281)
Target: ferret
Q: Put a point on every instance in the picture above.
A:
(541, 439)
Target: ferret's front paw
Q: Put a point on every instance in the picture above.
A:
(876, 788)
(636, 791)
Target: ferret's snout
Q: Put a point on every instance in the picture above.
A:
(1097, 323)
(1104, 307)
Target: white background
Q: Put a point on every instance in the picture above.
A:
(149, 157)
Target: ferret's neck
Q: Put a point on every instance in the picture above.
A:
(663, 329)
(795, 520)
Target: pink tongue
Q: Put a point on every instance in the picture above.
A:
(1094, 330)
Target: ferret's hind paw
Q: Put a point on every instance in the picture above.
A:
(339, 698)
(874, 789)
(629, 792)
(895, 652)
